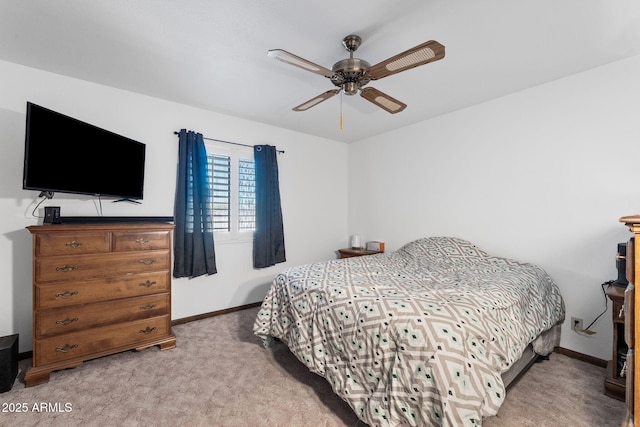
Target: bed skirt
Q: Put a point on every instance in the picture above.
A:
(541, 346)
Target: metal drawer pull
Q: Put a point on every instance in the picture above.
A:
(66, 321)
(142, 241)
(148, 330)
(73, 244)
(67, 268)
(67, 348)
(621, 314)
(147, 261)
(147, 284)
(66, 294)
(623, 371)
(148, 307)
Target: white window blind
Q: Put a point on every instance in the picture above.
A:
(246, 195)
(232, 177)
(220, 178)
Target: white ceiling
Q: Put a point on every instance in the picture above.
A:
(212, 54)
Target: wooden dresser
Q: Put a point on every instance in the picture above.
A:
(632, 330)
(98, 289)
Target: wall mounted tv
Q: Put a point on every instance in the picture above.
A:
(63, 154)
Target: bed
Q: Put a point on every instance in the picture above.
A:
(430, 334)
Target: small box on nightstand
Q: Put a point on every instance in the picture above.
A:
(8, 362)
(375, 246)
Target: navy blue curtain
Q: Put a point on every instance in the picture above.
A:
(268, 239)
(193, 236)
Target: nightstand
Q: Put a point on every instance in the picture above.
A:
(615, 382)
(351, 252)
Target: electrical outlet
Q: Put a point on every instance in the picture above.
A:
(576, 324)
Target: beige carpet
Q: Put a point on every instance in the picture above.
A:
(220, 375)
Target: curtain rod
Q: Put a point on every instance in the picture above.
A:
(229, 142)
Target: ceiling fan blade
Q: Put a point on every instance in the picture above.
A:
(292, 59)
(317, 100)
(382, 100)
(422, 54)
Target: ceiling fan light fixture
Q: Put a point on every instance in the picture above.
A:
(350, 88)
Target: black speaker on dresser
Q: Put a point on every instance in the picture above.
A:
(52, 215)
(621, 265)
(8, 362)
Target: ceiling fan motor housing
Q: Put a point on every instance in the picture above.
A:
(350, 74)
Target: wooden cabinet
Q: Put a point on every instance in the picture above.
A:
(351, 252)
(615, 379)
(98, 289)
(632, 331)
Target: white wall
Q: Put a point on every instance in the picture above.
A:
(541, 176)
(314, 195)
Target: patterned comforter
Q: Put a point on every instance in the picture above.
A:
(419, 336)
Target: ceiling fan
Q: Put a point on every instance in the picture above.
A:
(352, 74)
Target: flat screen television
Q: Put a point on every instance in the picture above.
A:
(63, 154)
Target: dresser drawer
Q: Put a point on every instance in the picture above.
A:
(71, 243)
(140, 241)
(87, 291)
(81, 317)
(80, 344)
(70, 268)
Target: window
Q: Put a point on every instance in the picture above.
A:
(232, 176)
